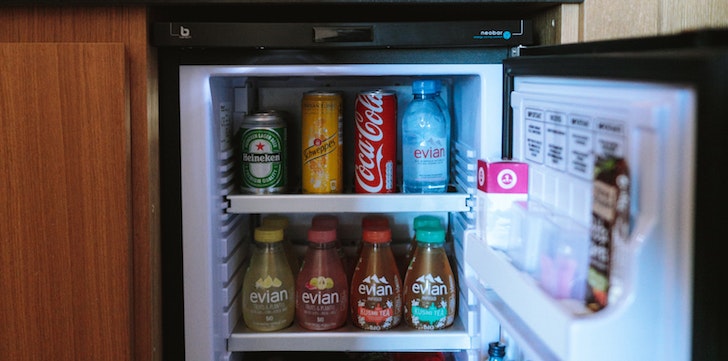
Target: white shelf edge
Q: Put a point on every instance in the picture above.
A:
(351, 338)
(352, 203)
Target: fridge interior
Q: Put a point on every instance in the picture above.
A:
(217, 220)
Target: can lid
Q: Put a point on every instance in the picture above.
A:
(425, 221)
(376, 234)
(321, 234)
(268, 234)
(427, 86)
(430, 234)
(326, 220)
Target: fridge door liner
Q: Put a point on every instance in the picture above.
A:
(561, 127)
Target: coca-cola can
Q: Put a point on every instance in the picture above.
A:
(375, 142)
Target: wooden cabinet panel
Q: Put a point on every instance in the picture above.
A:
(65, 257)
(616, 19)
(127, 26)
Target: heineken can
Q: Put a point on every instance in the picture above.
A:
(263, 157)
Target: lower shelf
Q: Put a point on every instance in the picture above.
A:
(351, 338)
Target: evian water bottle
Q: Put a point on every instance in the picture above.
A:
(425, 141)
(375, 142)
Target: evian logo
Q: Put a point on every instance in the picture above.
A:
(429, 285)
(370, 170)
(375, 286)
(182, 32)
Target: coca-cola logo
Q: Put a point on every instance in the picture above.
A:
(369, 170)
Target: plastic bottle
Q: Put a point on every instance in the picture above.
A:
(322, 291)
(419, 222)
(376, 287)
(496, 351)
(268, 286)
(280, 221)
(332, 221)
(430, 290)
(370, 220)
(425, 141)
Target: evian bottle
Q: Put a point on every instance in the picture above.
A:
(430, 291)
(425, 141)
(375, 142)
(322, 291)
(376, 288)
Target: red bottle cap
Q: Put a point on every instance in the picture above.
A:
(321, 234)
(377, 234)
(325, 220)
(374, 220)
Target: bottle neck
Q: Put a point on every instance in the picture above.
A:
(269, 247)
(424, 96)
(430, 245)
(322, 246)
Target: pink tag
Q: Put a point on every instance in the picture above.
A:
(502, 176)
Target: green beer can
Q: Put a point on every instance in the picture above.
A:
(263, 157)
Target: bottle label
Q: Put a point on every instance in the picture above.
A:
(375, 307)
(320, 294)
(263, 163)
(428, 159)
(268, 293)
(431, 304)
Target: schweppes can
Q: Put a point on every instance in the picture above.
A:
(321, 140)
(263, 138)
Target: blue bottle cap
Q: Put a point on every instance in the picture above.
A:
(425, 86)
(429, 234)
(425, 220)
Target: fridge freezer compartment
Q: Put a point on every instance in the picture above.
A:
(351, 338)
(352, 203)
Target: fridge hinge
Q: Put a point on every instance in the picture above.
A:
(516, 51)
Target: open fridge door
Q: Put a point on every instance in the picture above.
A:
(566, 282)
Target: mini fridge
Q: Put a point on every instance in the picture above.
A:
(657, 105)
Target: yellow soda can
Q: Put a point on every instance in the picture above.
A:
(321, 140)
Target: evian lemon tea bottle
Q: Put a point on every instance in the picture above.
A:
(430, 291)
(376, 287)
(268, 286)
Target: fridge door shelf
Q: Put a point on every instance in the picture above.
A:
(350, 338)
(353, 203)
(511, 294)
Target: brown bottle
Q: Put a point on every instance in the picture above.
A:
(430, 291)
(420, 221)
(376, 287)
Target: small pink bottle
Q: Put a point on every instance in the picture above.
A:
(322, 290)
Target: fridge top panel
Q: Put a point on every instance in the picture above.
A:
(430, 34)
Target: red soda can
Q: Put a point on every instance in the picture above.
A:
(375, 142)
